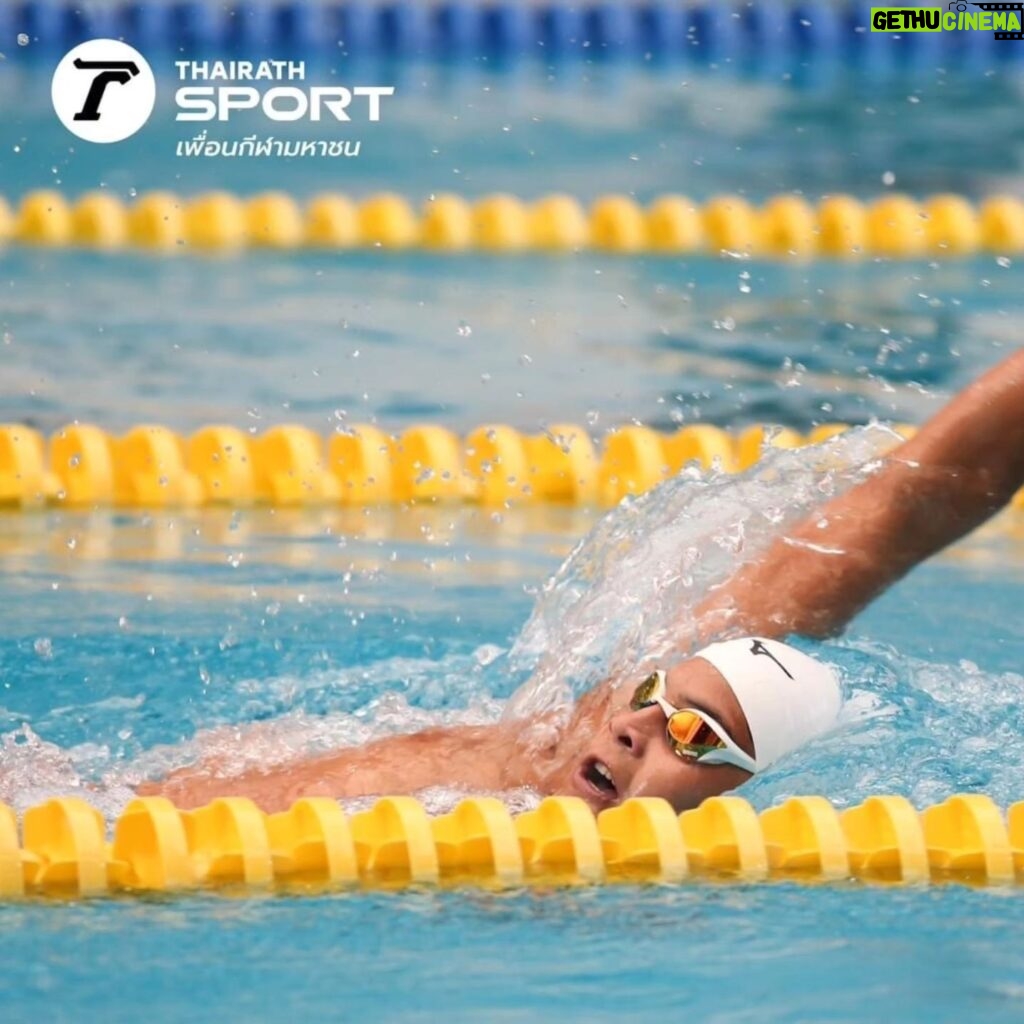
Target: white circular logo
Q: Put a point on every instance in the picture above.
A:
(103, 90)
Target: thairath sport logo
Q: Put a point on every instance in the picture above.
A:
(103, 90)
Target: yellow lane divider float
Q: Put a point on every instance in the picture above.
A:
(788, 225)
(64, 849)
(494, 465)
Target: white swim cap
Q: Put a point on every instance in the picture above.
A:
(787, 696)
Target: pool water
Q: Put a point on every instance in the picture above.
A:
(129, 641)
(132, 643)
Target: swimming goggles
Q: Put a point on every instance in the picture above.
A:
(691, 733)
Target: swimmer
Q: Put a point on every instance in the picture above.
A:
(736, 698)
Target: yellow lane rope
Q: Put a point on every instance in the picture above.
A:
(62, 849)
(786, 226)
(494, 465)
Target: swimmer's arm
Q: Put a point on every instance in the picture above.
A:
(964, 465)
(469, 757)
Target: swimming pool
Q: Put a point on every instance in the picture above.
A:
(125, 634)
(129, 640)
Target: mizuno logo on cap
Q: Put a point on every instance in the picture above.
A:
(758, 647)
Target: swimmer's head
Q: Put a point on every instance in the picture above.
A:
(765, 698)
(787, 697)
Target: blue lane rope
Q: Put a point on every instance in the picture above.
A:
(698, 31)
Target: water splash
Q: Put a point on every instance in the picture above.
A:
(387, 697)
(908, 726)
(33, 770)
(629, 590)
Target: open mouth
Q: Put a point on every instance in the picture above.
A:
(596, 776)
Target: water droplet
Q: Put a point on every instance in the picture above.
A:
(888, 178)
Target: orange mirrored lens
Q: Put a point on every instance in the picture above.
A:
(689, 731)
(643, 695)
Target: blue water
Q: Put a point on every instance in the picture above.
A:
(329, 338)
(725, 954)
(204, 642)
(129, 641)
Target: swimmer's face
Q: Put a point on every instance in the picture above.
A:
(630, 754)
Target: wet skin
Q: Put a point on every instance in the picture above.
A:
(634, 747)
